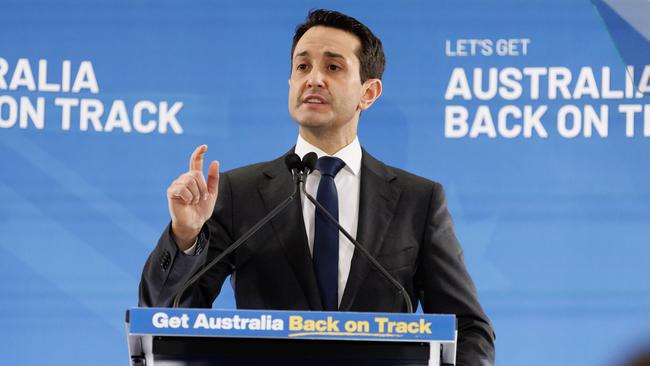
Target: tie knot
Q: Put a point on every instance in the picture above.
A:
(329, 165)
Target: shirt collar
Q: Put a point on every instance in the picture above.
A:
(351, 154)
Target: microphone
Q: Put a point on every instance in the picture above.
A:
(309, 163)
(295, 165)
(307, 166)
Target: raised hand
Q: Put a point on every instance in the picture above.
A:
(191, 199)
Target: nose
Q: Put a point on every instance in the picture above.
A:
(315, 79)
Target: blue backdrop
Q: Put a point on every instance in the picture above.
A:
(101, 104)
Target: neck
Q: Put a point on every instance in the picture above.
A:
(330, 143)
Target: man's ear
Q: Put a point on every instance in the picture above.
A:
(371, 91)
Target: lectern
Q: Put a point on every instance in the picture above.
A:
(201, 337)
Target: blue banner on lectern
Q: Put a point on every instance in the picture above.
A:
(292, 324)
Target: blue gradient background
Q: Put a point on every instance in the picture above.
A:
(555, 230)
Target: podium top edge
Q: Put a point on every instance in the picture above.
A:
(254, 311)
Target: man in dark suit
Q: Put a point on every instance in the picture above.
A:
(298, 261)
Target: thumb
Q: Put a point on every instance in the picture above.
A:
(213, 177)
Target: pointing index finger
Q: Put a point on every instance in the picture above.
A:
(196, 160)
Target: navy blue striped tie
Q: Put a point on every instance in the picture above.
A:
(326, 234)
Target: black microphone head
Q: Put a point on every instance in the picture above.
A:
(292, 161)
(309, 162)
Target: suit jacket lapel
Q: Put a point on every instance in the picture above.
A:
(377, 202)
(289, 227)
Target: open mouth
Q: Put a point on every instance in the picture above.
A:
(314, 100)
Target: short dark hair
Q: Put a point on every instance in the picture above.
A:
(370, 55)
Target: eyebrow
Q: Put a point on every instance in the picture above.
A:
(326, 53)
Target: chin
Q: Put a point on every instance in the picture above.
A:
(313, 122)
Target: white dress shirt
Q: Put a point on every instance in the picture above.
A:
(347, 184)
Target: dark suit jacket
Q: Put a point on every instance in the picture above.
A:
(403, 222)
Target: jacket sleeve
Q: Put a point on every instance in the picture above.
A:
(167, 269)
(445, 287)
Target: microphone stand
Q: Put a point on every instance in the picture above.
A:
(357, 245)
(297, 180)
